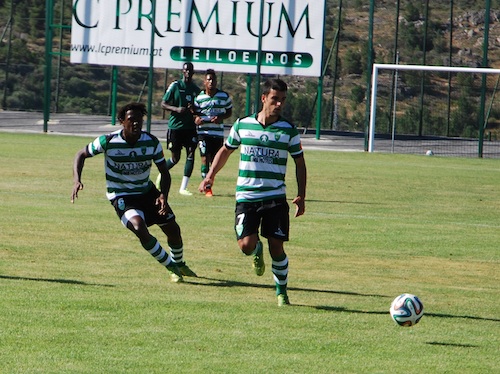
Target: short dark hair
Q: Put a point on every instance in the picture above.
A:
(188, 64)
(274, 84)
(140, 107)
(211, 72)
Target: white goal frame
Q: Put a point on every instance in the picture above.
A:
(396, 67)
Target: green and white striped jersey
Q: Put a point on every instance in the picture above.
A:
(208, 107)
(127, 167)
(263, 157)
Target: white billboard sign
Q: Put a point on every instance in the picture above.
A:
(218, 34)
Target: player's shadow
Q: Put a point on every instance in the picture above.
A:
(342, 202)
(438, 315)
(50, 280)
(214, 282)
(453, 344)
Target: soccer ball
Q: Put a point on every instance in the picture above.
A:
(429, 153)
(407, 310)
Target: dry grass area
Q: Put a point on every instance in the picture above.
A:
(468, 35)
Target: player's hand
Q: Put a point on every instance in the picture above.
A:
(198, 120)
(205, 185)
(300, 205)
(77, 186)
(161, 203)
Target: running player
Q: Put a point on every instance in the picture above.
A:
(265, 140)
(129, 154)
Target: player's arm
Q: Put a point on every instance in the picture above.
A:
(218, 163)
(301, 176)
(78, 164)
(166, 181)
(167, 102)
(173, 108)
(197, 114)
(221, 117)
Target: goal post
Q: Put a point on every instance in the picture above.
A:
(397, 67)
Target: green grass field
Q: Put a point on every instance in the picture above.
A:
(78, 294)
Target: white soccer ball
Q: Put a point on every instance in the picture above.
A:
(429, 153)
(407, 310)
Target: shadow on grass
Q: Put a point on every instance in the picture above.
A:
(453, 344)
(214, 282)
(65, 281)
(439, 315)
(230, 283)
(342, 202)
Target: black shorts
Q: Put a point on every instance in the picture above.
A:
(145, 203)
(178, 139)
(272, 216)
(209, 145)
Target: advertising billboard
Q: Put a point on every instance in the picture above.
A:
(218, 34)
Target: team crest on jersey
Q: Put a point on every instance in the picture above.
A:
(264, 138)
(277, 136)
(143, 150)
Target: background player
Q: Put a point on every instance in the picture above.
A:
(181, 133)
(212, 106)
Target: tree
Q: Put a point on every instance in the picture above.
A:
(352, 64)
(37, 18)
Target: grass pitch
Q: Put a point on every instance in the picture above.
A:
(80, 295)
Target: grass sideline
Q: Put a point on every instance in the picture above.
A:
(79, 294)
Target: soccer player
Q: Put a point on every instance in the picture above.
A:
(128, 157)
(212, 106)
(265, 140)
(181, 133)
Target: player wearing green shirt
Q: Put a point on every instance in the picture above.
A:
(181, 133)
(265, 140)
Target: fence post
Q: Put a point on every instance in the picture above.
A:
(49, 8)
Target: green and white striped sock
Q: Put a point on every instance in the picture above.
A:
(280, 273)
(156, 250)
(177, 253)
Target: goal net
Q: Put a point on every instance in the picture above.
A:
(449, 111)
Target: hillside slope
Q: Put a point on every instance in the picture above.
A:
(85, 89)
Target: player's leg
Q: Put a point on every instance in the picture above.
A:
(275, 227)
(247, 221)
(202, 145)
(248, 244)
(174, 145)
(175, 148)
(172, 231)
(174, 240)
(190, 142)
(279, 268)
(134, 220)
(213, 144)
